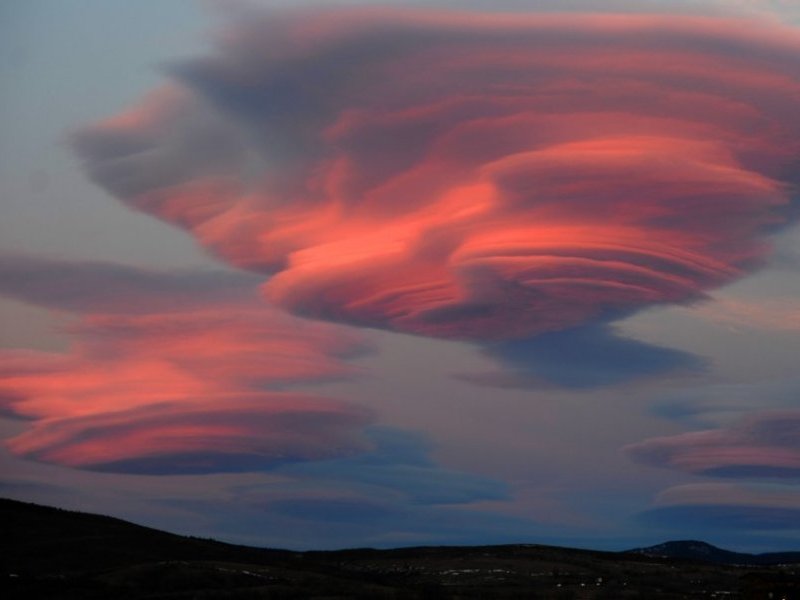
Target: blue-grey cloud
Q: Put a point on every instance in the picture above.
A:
(340, 510)
(722, 517)
(95, 286)
(393, 494)
(715, 405)
(400, 464)
(584, 357)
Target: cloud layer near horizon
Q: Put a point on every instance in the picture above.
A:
(188, 382)
(726, 507)
(765, 444)
(467, 175)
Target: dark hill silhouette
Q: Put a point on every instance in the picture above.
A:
(53, 553)
(697, 550)
(47, 537)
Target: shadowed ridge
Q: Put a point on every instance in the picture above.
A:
(698, 550)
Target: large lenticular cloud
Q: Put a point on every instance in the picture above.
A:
(471, 176)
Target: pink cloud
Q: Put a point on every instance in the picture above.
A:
(162, 390)
(233, 432)
(762, 445)
(468, 175)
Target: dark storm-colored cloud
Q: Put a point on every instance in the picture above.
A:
(174, 373)
(585, 357)
(472, 175)
(763, 445)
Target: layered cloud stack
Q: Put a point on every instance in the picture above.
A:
(471, 176)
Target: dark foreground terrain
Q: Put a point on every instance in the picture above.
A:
(56, 554)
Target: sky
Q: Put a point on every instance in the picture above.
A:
(343, 274)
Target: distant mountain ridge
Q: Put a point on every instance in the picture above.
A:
(698, 550)
(47, 552)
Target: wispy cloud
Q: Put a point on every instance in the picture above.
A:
(771, 314)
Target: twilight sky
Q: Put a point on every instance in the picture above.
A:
(351, 274)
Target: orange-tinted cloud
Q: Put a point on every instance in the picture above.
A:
(467, 175)
(185, 383)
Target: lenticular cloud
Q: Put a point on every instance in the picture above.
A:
(761, 445)
(188, 383)
(471, 176)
